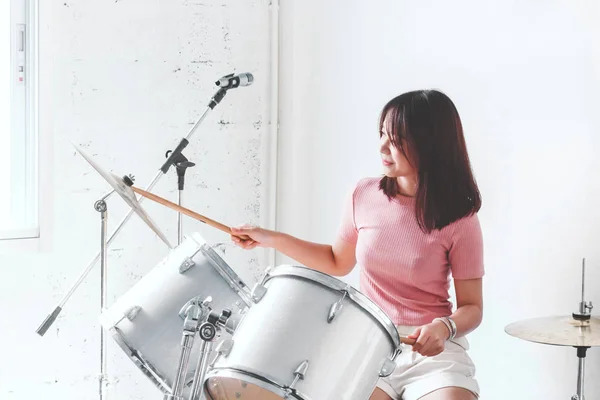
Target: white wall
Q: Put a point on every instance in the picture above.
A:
(525, 78)
(126, 80)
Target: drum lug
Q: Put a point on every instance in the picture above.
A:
(299, 373)
(186, 264)
(265, 275)
(336, 308)
(223, 349)
(258, 292)
(133, 312)
(389, 365)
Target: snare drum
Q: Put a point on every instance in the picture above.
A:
(308, 336)
(146, 323)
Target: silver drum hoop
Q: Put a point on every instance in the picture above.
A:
(333, 283)
(144, 365)
(252, 378)
(234, 281)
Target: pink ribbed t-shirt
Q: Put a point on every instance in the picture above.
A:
(404, 270)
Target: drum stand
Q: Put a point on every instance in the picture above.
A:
(102, 208)
(198, 318)
(583, 314)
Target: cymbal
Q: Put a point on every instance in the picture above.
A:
(558, 330)
(126, 194)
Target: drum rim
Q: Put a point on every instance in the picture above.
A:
(253, 378)
(336, 284)
(145, 366)
(223, 268)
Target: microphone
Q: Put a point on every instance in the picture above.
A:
(231, 81)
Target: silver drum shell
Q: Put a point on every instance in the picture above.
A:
(145, 322)
(289, 325)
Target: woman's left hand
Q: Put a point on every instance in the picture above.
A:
(430, 338)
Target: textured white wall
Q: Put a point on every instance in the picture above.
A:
(128, 80)
(525, 78)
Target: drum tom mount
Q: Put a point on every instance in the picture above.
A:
(200, 320)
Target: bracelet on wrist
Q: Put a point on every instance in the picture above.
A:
(450, 324)
(447, 324)
(453, 326)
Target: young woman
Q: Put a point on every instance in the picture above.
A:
(410, 231)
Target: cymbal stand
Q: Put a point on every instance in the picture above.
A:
(51, 318)
(583, 314)
(102, 208)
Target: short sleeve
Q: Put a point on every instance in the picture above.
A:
(466, 249)
(347, 230)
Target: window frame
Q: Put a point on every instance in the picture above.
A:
(38, 142)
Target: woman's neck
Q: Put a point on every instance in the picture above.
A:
(407, 186)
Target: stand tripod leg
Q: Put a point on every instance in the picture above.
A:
(52, 317)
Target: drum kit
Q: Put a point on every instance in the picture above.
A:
(197, 331)
(296, 334)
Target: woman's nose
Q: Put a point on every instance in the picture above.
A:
(384, 145)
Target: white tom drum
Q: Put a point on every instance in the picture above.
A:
(146, 321)
(308, 336)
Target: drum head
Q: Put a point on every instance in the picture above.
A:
(233, 385)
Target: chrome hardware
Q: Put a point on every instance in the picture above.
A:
(336, 307)
(133, 312)
(223, 349)
(186, 264)
(207, 331)
(258, 292)
(390, 364)
(388, 367)
(299, 373)
(265, 275)
(203, 305)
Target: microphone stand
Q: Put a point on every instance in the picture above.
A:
(181, 165)
(172, 158)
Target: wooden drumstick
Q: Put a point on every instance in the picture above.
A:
(187, 212)
(408, 341)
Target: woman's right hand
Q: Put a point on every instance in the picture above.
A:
(257, 236)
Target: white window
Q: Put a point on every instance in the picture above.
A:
(19, 163)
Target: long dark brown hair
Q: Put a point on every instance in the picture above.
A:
(426, 127)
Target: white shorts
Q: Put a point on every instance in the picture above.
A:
(416, 375)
